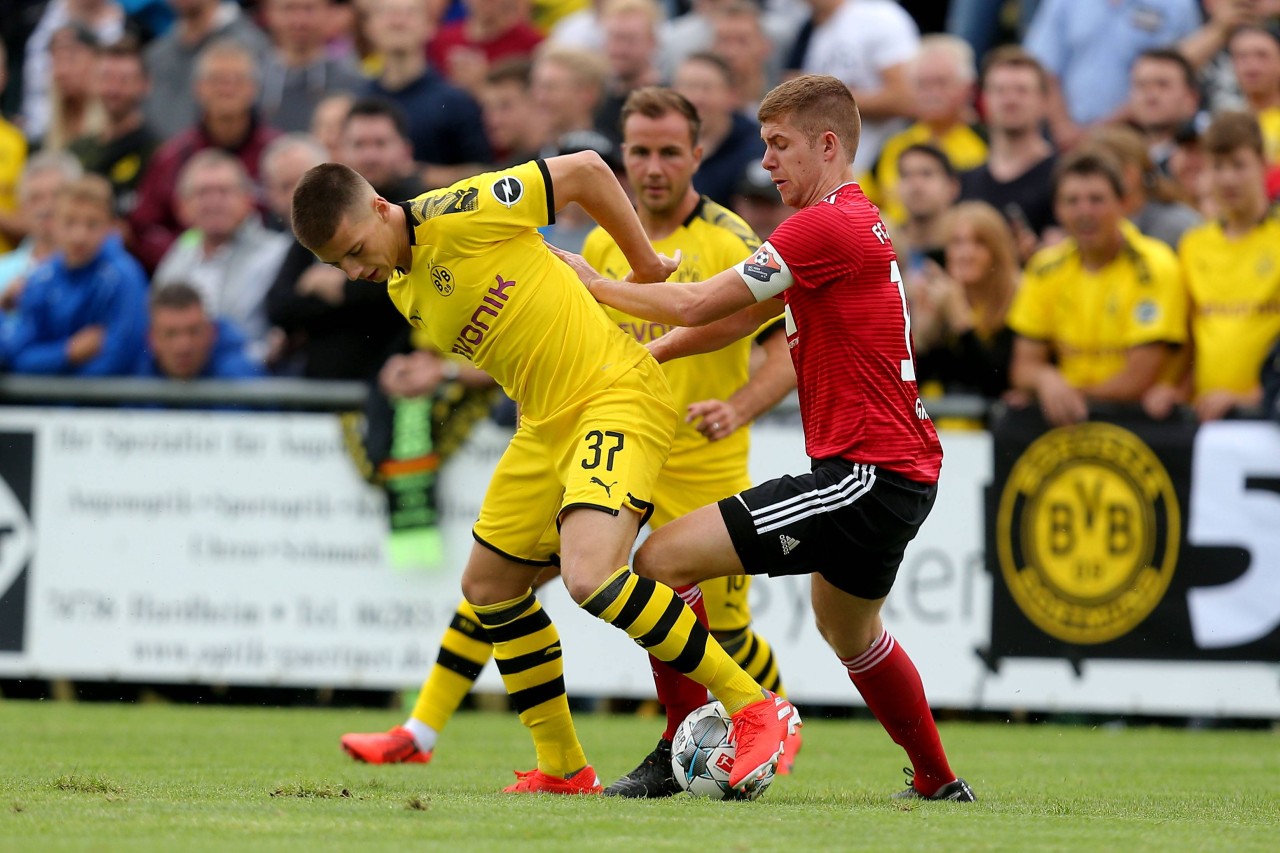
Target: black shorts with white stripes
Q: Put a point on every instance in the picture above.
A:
(846, 521)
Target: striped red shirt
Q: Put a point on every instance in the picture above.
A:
(850, 335)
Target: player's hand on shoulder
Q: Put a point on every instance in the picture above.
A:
(586, 273)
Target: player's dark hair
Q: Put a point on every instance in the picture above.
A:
(176, 295)
(934, 153)
(657, 101)
(1173, 57)
(1090, 162)
(379, 108)
(1232, 129)
(1013, 56)
(815, 104)
(323, 196)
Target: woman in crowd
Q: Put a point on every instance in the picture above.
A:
(958, 313)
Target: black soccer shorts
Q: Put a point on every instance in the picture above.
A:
(846, 521)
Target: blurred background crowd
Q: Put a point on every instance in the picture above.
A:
(1079, 191)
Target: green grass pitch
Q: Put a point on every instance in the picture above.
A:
(165, 777)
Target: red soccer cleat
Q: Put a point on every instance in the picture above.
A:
(394, 747)
(585, 781)
(760, 731)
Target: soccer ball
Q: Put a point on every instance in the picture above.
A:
(702, 755)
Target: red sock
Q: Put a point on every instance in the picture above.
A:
(678, 693)
(890, 685)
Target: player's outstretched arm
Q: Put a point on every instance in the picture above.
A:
(696, 304)
(584, 178)
(693, 340)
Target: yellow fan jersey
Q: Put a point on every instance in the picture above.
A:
(1093, 318)
(710, 240)
(13, 157)
(1235, 302)
(484, 286)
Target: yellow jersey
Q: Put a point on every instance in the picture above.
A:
(13, 157)
(963, 146)
(1092, 319)
(483, 285)
(1269, 123)
(1235, 302)
(710, 240)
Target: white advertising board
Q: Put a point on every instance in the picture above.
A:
(242, 548)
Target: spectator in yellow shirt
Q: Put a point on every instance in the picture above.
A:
(1232, 270)
(1098, 314)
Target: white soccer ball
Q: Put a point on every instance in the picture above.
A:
(702, 755)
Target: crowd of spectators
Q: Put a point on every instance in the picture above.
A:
(1080, 191)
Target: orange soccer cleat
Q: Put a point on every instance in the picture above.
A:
(760, 731)
(585, 781)
(393, 747)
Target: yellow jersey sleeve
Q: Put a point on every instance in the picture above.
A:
(478, 212)
(1157, 298)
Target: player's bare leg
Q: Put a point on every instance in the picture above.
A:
(889, 683)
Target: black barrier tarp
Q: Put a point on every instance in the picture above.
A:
(1087, 547)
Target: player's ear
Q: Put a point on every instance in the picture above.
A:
(381, 207)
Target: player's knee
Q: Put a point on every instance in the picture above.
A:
(846, 639)
(656, 560)
(580, 586)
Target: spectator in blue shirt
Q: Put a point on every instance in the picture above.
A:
(183, 342)
(83, 312)
(445, 127)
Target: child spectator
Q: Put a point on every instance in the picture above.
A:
(83, 312)
(1231, 272)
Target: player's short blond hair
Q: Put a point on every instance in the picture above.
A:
(815, 104)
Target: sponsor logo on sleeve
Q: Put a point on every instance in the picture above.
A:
(507, 190)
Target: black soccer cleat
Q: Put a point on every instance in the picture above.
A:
(957, 791)
(652, 780)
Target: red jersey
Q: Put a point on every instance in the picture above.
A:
(849, 330)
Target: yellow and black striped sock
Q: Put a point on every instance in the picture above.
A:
(753, 653)
(464, 650)
(654, 616)
(526, 648)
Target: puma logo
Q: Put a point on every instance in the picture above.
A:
(602, 485)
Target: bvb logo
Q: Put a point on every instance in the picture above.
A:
(1087, 532)
(442, 279)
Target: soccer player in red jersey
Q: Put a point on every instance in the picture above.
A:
(875, 454)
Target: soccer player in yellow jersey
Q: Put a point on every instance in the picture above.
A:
(708, 461)
(1232, 268)
(466, 266)
(1097, 314)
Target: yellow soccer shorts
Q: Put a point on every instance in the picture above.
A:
(604, 452)
(685, 484)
